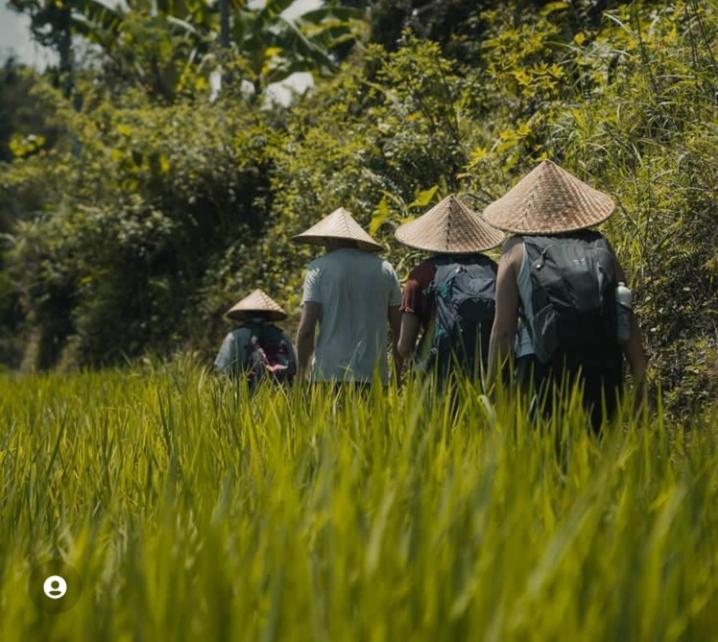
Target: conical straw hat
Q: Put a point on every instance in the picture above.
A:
(339, 225)
(450, 227)
(549, 200)
(258, 301)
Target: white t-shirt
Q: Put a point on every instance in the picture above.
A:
(355, 290)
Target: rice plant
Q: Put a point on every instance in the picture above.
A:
(191, 511)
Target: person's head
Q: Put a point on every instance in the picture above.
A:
(257, 317)
(340, 244)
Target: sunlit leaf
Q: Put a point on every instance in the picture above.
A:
(381, 216)
(424, 197)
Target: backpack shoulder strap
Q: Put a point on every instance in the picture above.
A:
(268, 332)
(440, 263)
(536, 248)
(445, 272)
(255, 331)
(599, 240)
(442, 285)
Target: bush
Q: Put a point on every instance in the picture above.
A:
(138, 201)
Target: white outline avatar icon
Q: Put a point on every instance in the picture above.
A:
(55, 587)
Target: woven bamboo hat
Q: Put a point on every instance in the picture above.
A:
(450, 227)
(549, 200)
(258, 301)
(339, 225)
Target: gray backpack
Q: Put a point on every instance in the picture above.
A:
(465, 298)
(573, 278)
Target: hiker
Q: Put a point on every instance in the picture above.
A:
(556, 296)
(257, 349)
(450, 297)
(351, 294)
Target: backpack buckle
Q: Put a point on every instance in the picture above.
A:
(542, 260)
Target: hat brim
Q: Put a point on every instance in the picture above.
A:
(324, 240)
(551, 229)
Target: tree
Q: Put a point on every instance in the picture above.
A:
(156, 44)
(54, 22)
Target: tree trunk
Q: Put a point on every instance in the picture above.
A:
(224, 23)
(64, 50)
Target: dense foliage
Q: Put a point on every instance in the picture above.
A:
(191, 512)
(144, 218)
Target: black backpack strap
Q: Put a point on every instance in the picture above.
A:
(536, 248)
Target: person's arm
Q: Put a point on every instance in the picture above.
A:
(226, 359)
(292, 366)
(410, 325)
(394, 315)
(395, 325)
(633, 349)
(413, 301)
(507, 310)
(305, 335)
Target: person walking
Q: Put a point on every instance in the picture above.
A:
(257, 349)
(352, 295)
(557, 310)
(449, 297)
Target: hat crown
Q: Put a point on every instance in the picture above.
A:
(549, 200)
(450, 227)
(344, 221)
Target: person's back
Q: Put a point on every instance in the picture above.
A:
(355, 290)
(568, 332)
(560, 280)
(257, 349)
(453, 297)
(450, 296)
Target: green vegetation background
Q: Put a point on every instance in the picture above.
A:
(135, 210)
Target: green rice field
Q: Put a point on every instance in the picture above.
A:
(191, 512)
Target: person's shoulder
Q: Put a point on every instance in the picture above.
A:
(389, 273)
(423, 272)
(321, 265)
(511, 243)
(512, 249)
(277, 331)
(385, 264)
(317, 262)
(239, 332)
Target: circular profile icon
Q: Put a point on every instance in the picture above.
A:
(54, 586)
